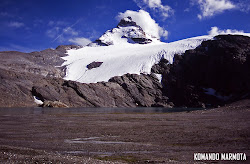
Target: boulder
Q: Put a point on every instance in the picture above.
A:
(54, 104)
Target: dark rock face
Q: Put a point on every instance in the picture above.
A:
(129, 90)
(126, 23)
(162, 67)
(216, 73)
(43, 63)
(94, 65)
(15, 88)
(20, 71)
(145, 90)
(142, 40)
(100, 43)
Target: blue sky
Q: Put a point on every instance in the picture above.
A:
(34, 25)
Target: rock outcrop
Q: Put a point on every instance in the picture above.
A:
(127, 30)
(215, 73)
(54, 104)
(129, 90)
(94, 65)
(19, 72)
(46, 63)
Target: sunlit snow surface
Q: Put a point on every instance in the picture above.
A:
(37, 101)
(120, 59)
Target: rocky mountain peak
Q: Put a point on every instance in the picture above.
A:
(127, 31)
(127, 21)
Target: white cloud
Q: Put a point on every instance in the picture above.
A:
(80, 41)
(143, 19)
(61, 34)
(210, 8)
(216, 31)
(53, 32)
(153, 3)
(70, 31)
(16, 24)
(244, 5)
(187, 10)
(156, 5)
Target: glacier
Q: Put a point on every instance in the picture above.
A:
(120, 53)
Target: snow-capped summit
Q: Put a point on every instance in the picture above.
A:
(124, 49)
(125, 22)
(119, 59)
(127, 31)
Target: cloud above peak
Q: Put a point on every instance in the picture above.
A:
(210, 8)
(143, 19)
(216, 31)
(164, 10)
(80, 41)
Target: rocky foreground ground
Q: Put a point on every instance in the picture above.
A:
(44, 136)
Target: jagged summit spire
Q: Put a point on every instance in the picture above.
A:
(126, 32)
(127, 21)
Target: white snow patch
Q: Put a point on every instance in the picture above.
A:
(159, 76)
(122, 58)
(37, 101)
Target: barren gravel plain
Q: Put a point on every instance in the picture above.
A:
(41, 135)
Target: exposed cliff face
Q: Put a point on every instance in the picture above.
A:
(215, 73)
(19, 72)
(45, 63)
(129, 90)
(15, 89)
